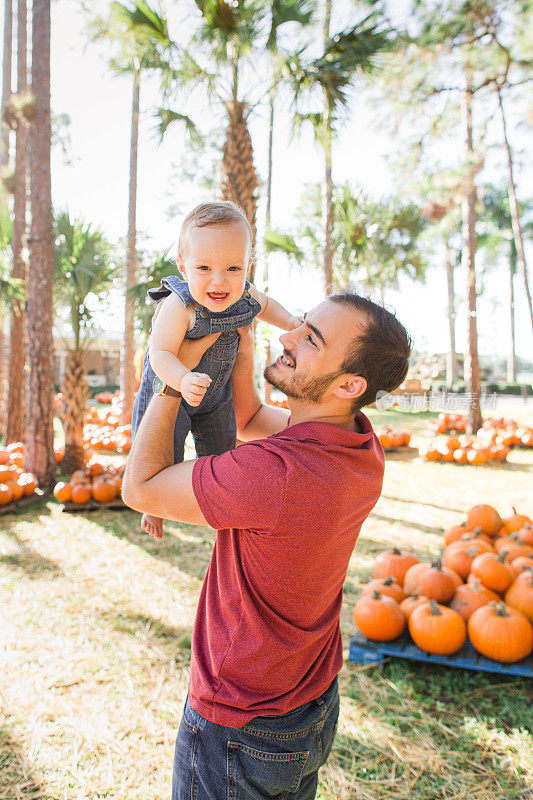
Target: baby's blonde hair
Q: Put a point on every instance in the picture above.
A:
(221, 212)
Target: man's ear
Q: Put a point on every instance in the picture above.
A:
(351, 387)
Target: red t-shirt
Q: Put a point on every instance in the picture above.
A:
(288, 510)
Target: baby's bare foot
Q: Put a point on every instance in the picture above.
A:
(152, 525)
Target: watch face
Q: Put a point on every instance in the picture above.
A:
(157, 385)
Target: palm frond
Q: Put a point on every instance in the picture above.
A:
(166, 117)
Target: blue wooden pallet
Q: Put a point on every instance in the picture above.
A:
(366, 651)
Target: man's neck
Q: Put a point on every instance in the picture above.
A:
(314, 413)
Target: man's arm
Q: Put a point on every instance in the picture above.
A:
(152, 483)
(255, 420)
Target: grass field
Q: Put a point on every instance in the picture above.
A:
(95, 653)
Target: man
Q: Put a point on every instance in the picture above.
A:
(288, 505)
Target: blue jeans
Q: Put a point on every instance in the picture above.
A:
(269, 757)
(212, 423)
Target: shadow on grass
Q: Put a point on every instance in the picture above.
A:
(407, 523)
(26, 559)
(16, 777)
(143, 626)
(188, 547)
(426, 731)
(421, 503)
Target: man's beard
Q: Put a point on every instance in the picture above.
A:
(299, 388)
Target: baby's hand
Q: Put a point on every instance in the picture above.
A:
(194, 385)
(294, 322)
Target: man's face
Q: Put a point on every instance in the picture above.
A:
(313, 353)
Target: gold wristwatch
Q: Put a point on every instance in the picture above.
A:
(160, 388)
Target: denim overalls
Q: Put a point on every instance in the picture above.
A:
(212, 422)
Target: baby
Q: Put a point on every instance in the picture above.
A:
(214, 254)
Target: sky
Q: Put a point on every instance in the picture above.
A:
(93, 183)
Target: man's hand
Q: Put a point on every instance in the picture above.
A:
(193, 387)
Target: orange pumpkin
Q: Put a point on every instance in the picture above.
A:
(95, 469)
(519, 595)
(379, 617)
(6, 494)
(486, 517)
(492, 571)
(16, 488)
(455, 532)
(63, 492)
(460, 456)
(471, 596)
(29, 483)
(500, 632)
(394, 562)
(411, 581)
(437, 629)
(436, 584)
(79, 476)
(103, 491)
(8, 473)
(522, 564)
(525, 534)
(81, 493)
(512, 542)
(413, 601)
(386, 586)
(516, 521)
(460, 555)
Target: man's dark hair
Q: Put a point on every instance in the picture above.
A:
(379, 353)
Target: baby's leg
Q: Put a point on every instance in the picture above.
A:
(154, 525)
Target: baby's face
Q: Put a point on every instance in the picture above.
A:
(215, 261)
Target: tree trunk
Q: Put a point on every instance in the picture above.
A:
(40, 458)
(6, 79)
(239, 178)
(515, 214)
(16, 427)
(451, 361)
(128, 351)
(74, 390)
(511, 358)
(267, 386)
(327, 193)
(472, 374)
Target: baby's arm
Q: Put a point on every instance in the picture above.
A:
(273, 312)
(170, 325)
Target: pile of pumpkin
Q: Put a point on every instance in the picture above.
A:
(103, 431)
(464, 449)
(105, 397)
(447, 423)
(391, 439)
(14, 482)
(508, 432)
(482, 585)
(95, 482)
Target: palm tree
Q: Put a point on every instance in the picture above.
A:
(40, 457)
(142, 37)
(16, 423)
(355, 51)
(374, 243)
(6, 79)
(82, 269)
(228, 38)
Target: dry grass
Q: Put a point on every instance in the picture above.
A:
(95, 650)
